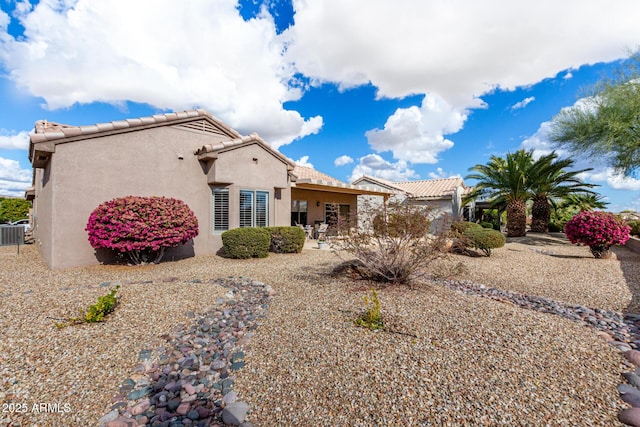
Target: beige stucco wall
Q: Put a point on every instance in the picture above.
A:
(151, 162)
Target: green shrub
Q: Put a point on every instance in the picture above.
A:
(459, 227)
(635, 227)
(246, 243)
(287, 240)
(488, 225)
(484, 239)
(555, 227)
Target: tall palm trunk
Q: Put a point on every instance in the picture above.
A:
(516, 218)
(540, 214)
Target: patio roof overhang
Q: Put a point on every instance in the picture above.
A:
(338, 187)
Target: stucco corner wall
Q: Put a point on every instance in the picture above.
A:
(633, 243)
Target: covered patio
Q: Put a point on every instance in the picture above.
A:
(316, 196)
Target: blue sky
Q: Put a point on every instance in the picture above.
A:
(401, 90)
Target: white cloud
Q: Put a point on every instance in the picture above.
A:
(343, 160)
(612, 179)
(417, 134)
(458, 49)
(374, 165)
(12, 140)
(523, 103)
(161, 53)
(568, 76)
(304, 161)
(13, 179)
(440, 173)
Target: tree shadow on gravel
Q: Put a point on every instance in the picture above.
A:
(630, 265)
(542, 239)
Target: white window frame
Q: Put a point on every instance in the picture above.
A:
(253, 219)
(218, 213)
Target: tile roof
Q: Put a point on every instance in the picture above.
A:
(50, 131)
(380, 181)
(427, 188)
(431, 188)
(306, 175)
(243, 140)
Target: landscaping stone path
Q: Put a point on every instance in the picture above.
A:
(189, 380)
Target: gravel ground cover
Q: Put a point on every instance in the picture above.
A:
(452, 359)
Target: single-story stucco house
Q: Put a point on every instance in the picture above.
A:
(444, 197)
(228, 180)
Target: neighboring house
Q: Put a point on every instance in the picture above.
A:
(227, 179)
(444, 196)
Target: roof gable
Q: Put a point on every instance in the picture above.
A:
(211, 151)
(48, 134)
(364, 179)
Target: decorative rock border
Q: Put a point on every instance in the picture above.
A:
(189, 380)
(621, 332)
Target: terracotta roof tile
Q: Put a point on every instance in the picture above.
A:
(303, 172)
(47, 131)
(253, 137)
(431, 188)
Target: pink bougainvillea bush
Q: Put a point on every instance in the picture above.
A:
(598, 230)
(141, 227)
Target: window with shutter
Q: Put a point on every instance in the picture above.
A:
(220, 210)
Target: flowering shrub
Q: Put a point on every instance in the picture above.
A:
(598, 230)
(141, 227)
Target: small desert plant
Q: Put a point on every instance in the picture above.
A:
(105, 305)
(247, 242)
(484, 239)
(392, 241)
(286, 240)
(371, 318)
(141, 227)
(96, 312)
(598, 230)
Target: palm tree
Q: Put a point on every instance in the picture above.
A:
(585, 202)
(549, 181)
(505, 182)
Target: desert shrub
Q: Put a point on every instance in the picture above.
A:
(398, 221)
(141, 227)
(598, 230)
(247, 242)
(286, 240)
(372, 317)
(488, 225)
(484, 239)
(458, 228)
(392, 242)
(635, 227)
